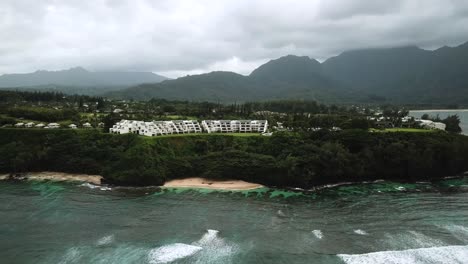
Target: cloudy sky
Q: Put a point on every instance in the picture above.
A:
(179, 37)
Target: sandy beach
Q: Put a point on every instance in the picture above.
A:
(235, 185)
(59, 176)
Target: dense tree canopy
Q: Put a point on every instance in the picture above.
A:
(284, 159)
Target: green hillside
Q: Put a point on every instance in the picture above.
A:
(392, 75)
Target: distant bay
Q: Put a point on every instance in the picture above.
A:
(462, 113)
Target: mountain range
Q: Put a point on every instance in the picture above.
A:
(386, 75)
(392, 75)
(78, 77)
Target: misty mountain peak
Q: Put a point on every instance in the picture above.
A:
(288, 68)
(78, 69)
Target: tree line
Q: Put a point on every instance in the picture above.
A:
(285, 159)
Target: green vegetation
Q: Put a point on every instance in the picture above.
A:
(392, 75)
(409, 130)
(452, 122)
(284, 159)
(43, 114)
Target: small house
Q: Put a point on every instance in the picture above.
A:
(29, 125)
(53, 125)
(87, 125)
(429, 124)
(19, 124)
(72, 126)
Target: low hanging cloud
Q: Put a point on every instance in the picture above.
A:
(179, 37)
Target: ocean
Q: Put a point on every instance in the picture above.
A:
(380, 222)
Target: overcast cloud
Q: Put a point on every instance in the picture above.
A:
(179, 37)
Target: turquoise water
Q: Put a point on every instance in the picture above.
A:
(382, 222)
(463, 114)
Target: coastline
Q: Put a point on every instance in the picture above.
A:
(440, 110)
(55, 176)
(196, 182)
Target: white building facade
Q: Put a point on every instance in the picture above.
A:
(235, 126)
(431, 124)
(156, 128)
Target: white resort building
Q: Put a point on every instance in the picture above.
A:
(156, 128)
(235, 126)
(429, 124)
(52, 126)
(87, 125)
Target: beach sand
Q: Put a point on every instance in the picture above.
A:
(234, 185)
(58, 176)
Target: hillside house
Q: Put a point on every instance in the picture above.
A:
(429, 124)
(235, 126)
(156, 128)
(52, 126)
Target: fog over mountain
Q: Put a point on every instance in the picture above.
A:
(394, 75)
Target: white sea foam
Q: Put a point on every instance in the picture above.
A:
(73, 255)
(280, 213)
(411, 239)
(172, 252)
(208, 237)
(92, 186)
(215, 248)
(89, 185)
(330, 186)
(208, 249)
(106, 240)
(360, 232)
(447, 255)
(318, 234)
(458, 231)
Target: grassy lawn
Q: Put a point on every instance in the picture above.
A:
(409, 130)
(176, 117)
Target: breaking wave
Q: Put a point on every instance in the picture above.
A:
(318, 234)
(458, 231)
(411, 239)
(106, 240)
(210, 248)
(448, 255)
(215, 248)
(360, 232)
(92, 186)
(172, 252)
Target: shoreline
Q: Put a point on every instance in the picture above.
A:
(55, 176)
(197, 182)
(440, 110)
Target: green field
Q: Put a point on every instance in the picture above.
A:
(408, 130)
